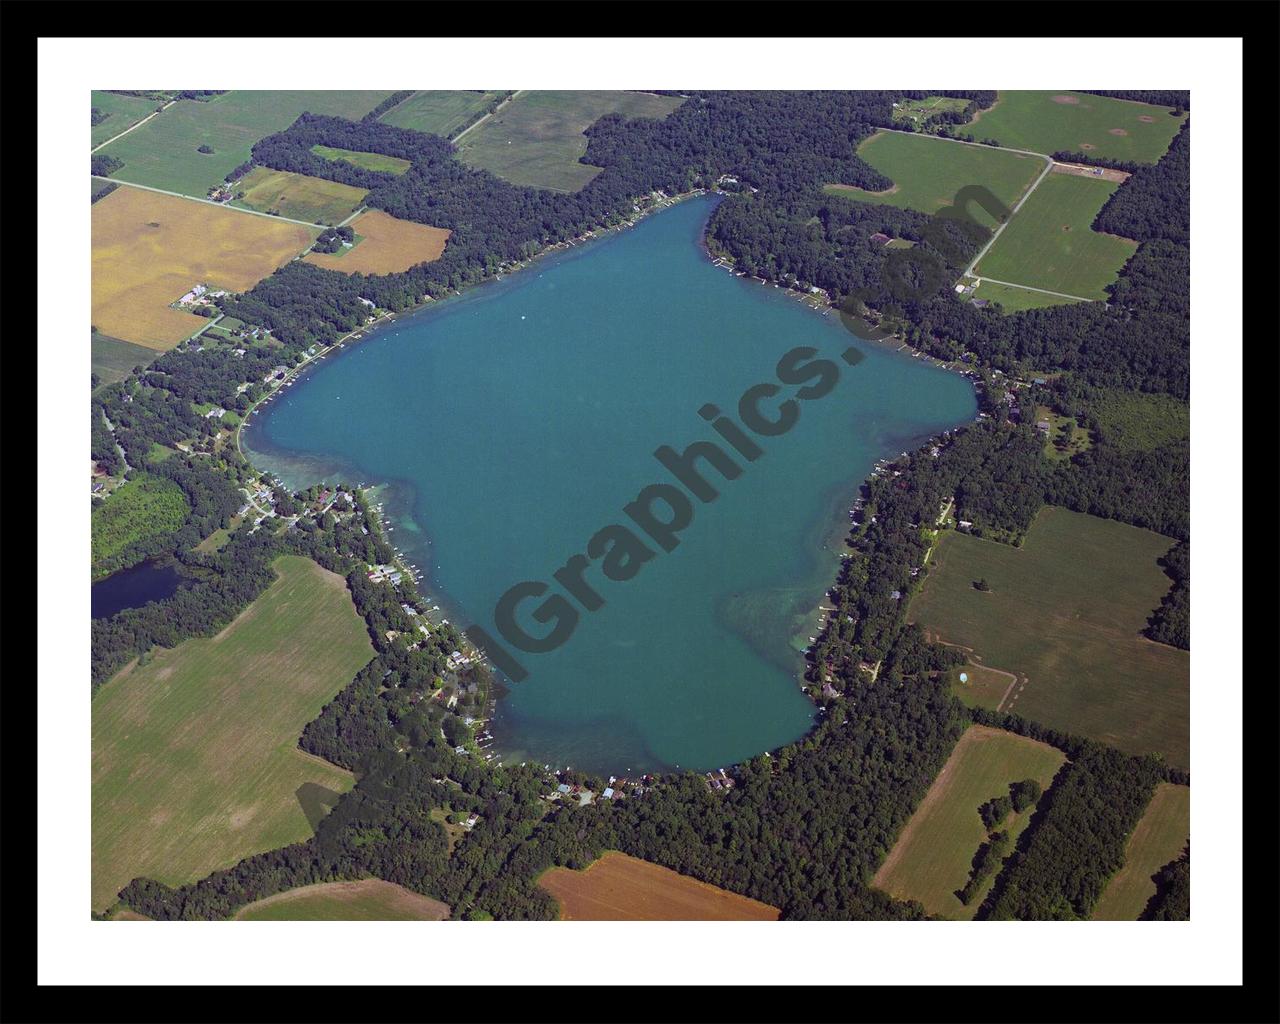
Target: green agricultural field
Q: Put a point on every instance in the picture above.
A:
(113, 359)
(195, 753)
(1131, 421)
(369, 161)
(1015, 300)
(368, 900)
(439, 111)
(1051, 243)
(537, 139)
(1044, 121)
(163, 152)
(298, 196)
(927, 172)
(931, 859)
(1065, 613)
(121, 111)
(143, 508)
(1158, 838)
(982, 687)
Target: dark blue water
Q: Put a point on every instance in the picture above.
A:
(133, 587)
(516, 421)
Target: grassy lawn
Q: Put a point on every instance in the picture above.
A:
(195, 759)
(113, 359)
(928, 172)
(536, 139)
(439, 111)
(1065, 613)
(369, 161)
(917, 112)
(1159, 837)
(1015, 300)
(932, 857)
(144, 507)
(1132, 421)
(369, 900)
(1051, 244)
(1044, 121)
(298, 196)
(121, 111)
(163, 152)
(1066, 437)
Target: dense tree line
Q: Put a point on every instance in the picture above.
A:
(1172, 899)
(395, 99)
(103, 164)
(1171, 622)
(1076, 839)
(302, 304)
(1179, 99)
(986, 862)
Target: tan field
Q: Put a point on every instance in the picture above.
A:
(150, 249)
(621, 888)
(388, 246)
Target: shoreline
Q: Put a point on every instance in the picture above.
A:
(829, 533)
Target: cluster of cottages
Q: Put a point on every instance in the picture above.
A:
(200, 295)
(720, 780)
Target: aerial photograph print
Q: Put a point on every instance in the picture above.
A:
(629, 504)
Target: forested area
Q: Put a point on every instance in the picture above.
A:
(1171, 622)
(1172, 901)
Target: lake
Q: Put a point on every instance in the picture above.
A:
(515, 421)
(132, 588)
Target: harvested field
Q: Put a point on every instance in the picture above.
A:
(1158, 838)
(150, 249)
(932, 858)
(195, 759)
(389, 246)
(622, 888)
(298, 196)
(369, 900)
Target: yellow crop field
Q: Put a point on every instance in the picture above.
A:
(387, 245)
(299, 196)
(149, 249)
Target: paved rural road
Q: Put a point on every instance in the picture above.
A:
(132, 127)
(197, 199)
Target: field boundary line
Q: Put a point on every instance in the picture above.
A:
(1030, 288)
(458, 137)
(210, 202)
(132, 127)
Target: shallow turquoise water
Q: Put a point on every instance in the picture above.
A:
(519, 419)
